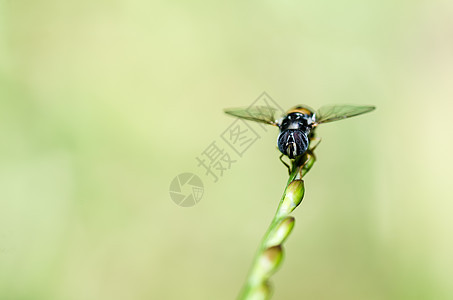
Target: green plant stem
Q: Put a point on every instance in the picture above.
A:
(269, 254)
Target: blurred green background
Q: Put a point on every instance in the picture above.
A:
(103, 103)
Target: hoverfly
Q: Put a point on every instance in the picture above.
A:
(298, 124)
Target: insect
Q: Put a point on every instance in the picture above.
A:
(298, 124)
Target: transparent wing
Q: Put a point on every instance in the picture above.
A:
(262, 114)
(337, 112)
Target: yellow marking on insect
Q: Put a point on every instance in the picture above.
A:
(300, 109)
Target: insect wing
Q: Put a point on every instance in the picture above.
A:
(332, 113)
(262, 114)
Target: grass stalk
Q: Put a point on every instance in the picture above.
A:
(270, 251)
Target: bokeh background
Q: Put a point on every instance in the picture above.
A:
(103, 103)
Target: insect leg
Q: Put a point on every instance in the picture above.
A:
(281, 159)
(310, 159)
(314, 142)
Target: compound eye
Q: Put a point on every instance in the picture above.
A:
(292, 143)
